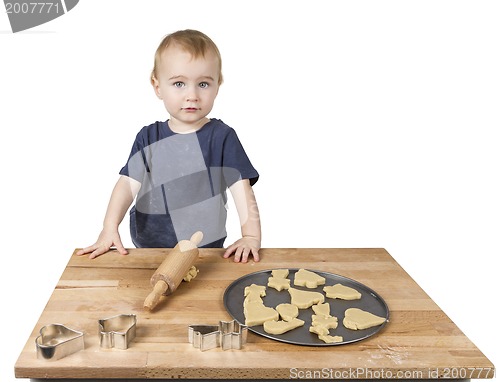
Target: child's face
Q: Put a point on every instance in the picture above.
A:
(188, 86)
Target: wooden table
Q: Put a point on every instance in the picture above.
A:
(419, 342)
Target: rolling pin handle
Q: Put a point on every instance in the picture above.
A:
(153, 298)
(197, 238)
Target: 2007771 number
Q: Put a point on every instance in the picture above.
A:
(466, 373)
(32, 7)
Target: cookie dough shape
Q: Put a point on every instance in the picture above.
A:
(324, 335)
(322, 322)
(192, 273)
(279, 280)
(331, 339)
(287, 311)
(278, 283)
(280, 327)
(256, 313)
(319, 330)
(330, 322)
(341, 292)
(322, 309)
(308, 279)
(257, 289)
(357, 319)
(280, 273)
(254, 293)
(305, 299)
(252, 297)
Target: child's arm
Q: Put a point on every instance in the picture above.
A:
(248, 212)
(121, 198)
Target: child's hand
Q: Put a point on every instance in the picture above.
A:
(103, 244)
(243, 248)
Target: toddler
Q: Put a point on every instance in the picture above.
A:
(178, 171)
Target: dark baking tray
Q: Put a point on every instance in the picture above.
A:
(370, 301)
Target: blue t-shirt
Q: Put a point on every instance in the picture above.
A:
(184, 178)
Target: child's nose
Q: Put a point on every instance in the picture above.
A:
(192, 94)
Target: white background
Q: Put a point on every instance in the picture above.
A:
(372, 124)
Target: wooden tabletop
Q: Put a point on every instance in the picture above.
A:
(419, 341)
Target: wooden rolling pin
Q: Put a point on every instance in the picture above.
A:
(172, 270)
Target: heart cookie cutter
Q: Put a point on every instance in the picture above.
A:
(117, 331)
(57, 341)
(227, 334)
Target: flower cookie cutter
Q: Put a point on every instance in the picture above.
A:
(117, 331)
(57, 341)
(227, 334)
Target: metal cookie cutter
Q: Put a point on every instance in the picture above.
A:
(117, 331)
(57, 341)
(228, 335)
(204, 337)
(233, 334)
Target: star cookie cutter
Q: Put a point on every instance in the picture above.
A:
(57, 341)
(233, 334)
(117, 331)
(227, 334)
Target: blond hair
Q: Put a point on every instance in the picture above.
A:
(192, 41)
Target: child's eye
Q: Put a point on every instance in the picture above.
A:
(179, 84)
(203, 85)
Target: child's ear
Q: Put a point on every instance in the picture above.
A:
(156, 86)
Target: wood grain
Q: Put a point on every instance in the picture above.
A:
(420, 341)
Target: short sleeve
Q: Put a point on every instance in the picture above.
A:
(235, 158)
(136, 165)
